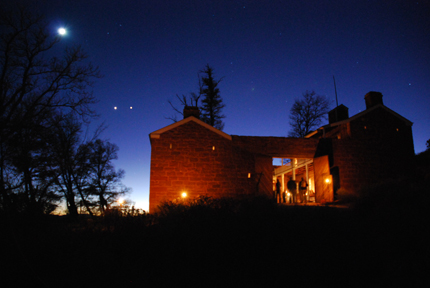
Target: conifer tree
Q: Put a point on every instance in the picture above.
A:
(212, 104)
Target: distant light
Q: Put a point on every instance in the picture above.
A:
(115, 108)
(249, 175)
(62, 31)
(131, 107)
(184, 194)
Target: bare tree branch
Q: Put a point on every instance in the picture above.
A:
(307, 114)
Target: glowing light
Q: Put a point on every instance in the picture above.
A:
(184, 194)
(288, 194)
(120, 201)
(327, 180)
(62, 31)
(213, 148)
(249, 175)
(115, 108)
(131, 107)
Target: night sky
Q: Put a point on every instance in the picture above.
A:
(269, 53)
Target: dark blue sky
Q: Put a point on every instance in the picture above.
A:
(269, 53)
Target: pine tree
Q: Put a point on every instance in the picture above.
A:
(212, 104)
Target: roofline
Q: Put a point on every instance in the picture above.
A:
(156, 134)
(358, 116)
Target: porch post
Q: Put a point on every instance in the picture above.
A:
(283, 187)
(293, 165)
(307, 181)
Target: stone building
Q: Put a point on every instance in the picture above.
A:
(197, 159)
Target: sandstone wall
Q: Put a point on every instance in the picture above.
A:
(190, 158)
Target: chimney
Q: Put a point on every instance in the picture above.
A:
(338, 114)
(191, 111)
(372, 99)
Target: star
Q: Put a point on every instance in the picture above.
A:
(62, 31)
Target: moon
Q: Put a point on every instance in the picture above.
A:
(62, 31)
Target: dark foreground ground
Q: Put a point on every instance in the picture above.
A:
(259, 244)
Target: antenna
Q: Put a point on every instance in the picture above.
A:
(335, 91)
(337, 104)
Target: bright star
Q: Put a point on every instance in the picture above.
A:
(62, 31)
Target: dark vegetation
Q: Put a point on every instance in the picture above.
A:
(45, 103)
(380, 241)
(210, 104)
(307, 114)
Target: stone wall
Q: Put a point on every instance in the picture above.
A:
(379, 148)
(282, 147)
(193, 159)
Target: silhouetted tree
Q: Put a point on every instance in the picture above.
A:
(29, 159)
(69, 167)
(212, 104)
(307, 114)
(84, 171)
(105, 182)
(34, 85)
(194, 101)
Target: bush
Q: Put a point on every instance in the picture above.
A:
(345, 196)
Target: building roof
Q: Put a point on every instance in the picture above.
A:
(361, 114)
(157, 134)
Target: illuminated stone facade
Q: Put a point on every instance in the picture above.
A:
(193, 157)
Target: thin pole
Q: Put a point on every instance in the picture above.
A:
(335, 91)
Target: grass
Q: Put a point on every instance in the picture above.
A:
(224, 243)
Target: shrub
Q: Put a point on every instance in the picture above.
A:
(346, 197)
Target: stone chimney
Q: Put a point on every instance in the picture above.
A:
(338, 114)
(191, 111)
(372, 99)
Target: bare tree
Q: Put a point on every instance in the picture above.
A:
(34, 85)
(194, 101)
(105, 182)
(307, 114)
